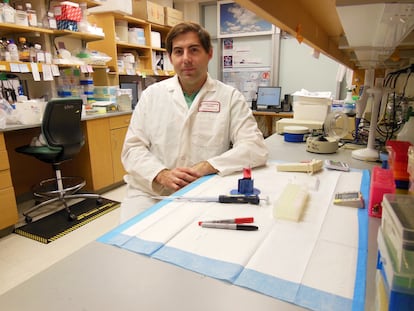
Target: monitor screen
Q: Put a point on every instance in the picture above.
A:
(269, 97)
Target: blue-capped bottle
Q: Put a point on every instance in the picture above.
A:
(349, 107)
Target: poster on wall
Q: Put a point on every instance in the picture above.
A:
(234, 21)
(237, 55)
(246, 80)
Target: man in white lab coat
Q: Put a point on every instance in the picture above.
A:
(187, 126)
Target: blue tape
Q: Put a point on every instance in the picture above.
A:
(358, 301)
(217, 269)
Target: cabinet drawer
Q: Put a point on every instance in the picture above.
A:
(4, 160)
(5, 179)
(8, 208)
(119, 121)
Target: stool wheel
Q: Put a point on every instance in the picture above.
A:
(72, 217)
(28, 219)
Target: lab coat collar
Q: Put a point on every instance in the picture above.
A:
(174, 84)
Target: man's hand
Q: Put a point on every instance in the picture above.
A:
(204, 168)
(177, 178)
(180, 177)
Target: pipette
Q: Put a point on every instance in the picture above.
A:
(233, 198)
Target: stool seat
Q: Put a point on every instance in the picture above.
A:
(62, 131)
(43, 153)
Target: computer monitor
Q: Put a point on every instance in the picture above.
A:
(268, 98)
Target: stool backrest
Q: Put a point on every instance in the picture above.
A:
(61, 126)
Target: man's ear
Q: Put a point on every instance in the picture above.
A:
(210, 54)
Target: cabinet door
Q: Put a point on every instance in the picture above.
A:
(117, 141)
(8, 208)
(99, 145)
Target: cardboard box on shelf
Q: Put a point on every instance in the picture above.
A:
(148, 10)
(155, 13)
(172, 16)
(139, 9)
(113, 6)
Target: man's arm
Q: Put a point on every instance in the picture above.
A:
(180, 177)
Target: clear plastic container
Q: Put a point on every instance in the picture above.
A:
(124, 99)
(398, 158)
(88, 88)
(397, 292)
(397, 226)
(407, 132)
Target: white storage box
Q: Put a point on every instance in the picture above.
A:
(155, 39)
(309, 111)
(397, 225)
(121, 30)
(136, 36)
(30, 111)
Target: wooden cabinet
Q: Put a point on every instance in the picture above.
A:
(113, 47)
(100, 160)
(8, 208)
(118, 128)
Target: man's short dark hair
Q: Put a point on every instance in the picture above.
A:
(186, 27)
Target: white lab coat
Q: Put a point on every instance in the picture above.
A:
(164, 133)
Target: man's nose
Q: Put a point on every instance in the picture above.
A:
(186, 55)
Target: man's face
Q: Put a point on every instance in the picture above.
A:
(189, 59)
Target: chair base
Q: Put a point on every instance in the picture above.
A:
(49, 187)
(49, 191)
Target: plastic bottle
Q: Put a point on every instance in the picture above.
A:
(21, 16)
(31, 15)
(40, 55)
(49, 21)
(349, 104)
(1, 13)
(88, 89)
(32, 53)
(407, 132)
(24, 52)
(83, 23)
(3, 48)
(14, 52)
(8, 13)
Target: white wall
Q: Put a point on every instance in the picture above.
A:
(298, 69)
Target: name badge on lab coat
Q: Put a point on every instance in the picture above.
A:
(209, 106)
